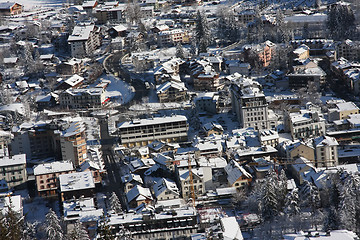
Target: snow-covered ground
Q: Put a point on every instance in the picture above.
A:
(34, 4)
(120, 92)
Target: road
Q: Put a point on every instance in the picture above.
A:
(114, 66)
(112, 164)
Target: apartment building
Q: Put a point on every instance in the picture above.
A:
(82, 98)
(46, 176)
(326, 152)
(171, 37)
(36, 140)
(198, 182)
(343, 110)
(76, 185)
(13, 170)
(141, 132)
(207, 103)
(249, 103)
(179, 223)
(171, 92)
(304, 124)
(84, 40)
(73, 143)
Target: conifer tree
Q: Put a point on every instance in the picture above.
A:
(115, 203)
(53, 227)
(104, 230)
(79, 232)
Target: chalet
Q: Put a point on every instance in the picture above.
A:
(10, 8)
(237, 176)
(118, 31)
(74, 81)
(130, 181)
(213, 128)
(171, 92)
(138, 195)
(70, 67)
(165, 189)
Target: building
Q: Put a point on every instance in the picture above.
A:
(130, 181)
(348, 49)
(70, 67)
(172, 37)
(326, 152)
(237, 176)
(76, 185)
(302, 52)
(198, 182)
(13, 170)
(164, 224)
(304, 124)
(139, 195)
(73, 143)
(171, 92)
(36, 140)
(84, 40)
(141, 132)
(83, 98)
(343, 110)
(249, 103)
(10, 8)
(207, 103)
(268, 137)
(165, 189)
(46, 176)
(75, 81)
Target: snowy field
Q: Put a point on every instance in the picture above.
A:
(121, 92)
(35, 4)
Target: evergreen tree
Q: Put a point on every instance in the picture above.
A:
(30, 230)
(53, 227)
(292, 203)
(179, 51)
(104, 230)
(115, 203)
(202, 32)
(341, 21)
(79, 232)
(310, 196)
(331, 220)
(11, 225)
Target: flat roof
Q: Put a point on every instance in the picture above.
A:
(155, 120)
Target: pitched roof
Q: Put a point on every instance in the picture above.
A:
(163, 185)
(235, 171)
(139, 193)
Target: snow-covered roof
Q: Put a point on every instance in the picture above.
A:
(139, 193)
(81, 33)
(88, 165)
(14, 202)
(74, 80)
(325, 141)
(180, 86)
(155, 120)
(73, 129)
(165, 185)
(184, 174)
(131, 177)
(120, 28)
(235, 171)
(76, 181)
(18, 159)
(231, 228)
(334, 235)
(14, 107)
(53, 167)
(347, 106)
(7, 5)
(11, 60)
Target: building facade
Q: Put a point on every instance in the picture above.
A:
(144, 131)
(13, 170)
(249, 104)
(82, 98)
(84, 40)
